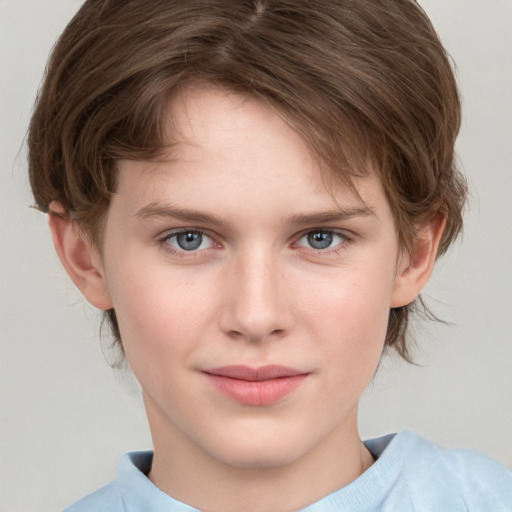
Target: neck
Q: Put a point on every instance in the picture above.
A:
(192, 476)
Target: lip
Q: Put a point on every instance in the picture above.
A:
(264, 385)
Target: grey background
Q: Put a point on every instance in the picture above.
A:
(64, 416)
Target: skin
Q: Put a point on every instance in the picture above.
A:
(255, 292)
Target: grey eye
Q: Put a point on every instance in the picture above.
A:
(189, 240)
(320, 239)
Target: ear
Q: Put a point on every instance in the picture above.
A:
(415, 269)
(81, 261)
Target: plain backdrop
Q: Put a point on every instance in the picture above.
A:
(65, 418)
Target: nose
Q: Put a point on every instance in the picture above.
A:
(256, 300)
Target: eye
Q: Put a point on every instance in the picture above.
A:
(321, 239)
(189, 240)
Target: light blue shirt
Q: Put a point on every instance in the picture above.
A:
(409, 475)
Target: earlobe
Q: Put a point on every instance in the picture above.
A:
(415, 269)
(80, 260)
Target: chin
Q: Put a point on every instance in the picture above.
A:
(257, 451)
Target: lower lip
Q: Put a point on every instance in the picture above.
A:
(264, 392)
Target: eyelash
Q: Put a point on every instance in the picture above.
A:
(182, 253)
(336, 249)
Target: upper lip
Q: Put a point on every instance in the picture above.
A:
(253, 374)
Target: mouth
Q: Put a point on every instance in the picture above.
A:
(264, 385)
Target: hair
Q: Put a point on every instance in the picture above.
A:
(359, 81)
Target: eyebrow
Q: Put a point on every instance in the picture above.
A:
(158, 210)
(331, 216)
(163, 211)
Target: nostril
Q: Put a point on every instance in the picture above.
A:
(253, 336)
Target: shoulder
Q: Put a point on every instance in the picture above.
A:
(464, 476)
(481, 479)
(106, 499)
(130, 490)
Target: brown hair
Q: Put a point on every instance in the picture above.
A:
(358, 80)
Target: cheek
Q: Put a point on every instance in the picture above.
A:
(161, 314)
(354, 301)
(349, 316)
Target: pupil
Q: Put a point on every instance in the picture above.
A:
(189, 241)
(320, 239)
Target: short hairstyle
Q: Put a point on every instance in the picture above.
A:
(360, 81)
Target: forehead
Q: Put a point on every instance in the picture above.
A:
(204, 119)
(226, 151)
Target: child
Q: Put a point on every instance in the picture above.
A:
(255, 193)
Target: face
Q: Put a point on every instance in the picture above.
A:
(252, 301)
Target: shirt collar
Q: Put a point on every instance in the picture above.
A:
(139, 493)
